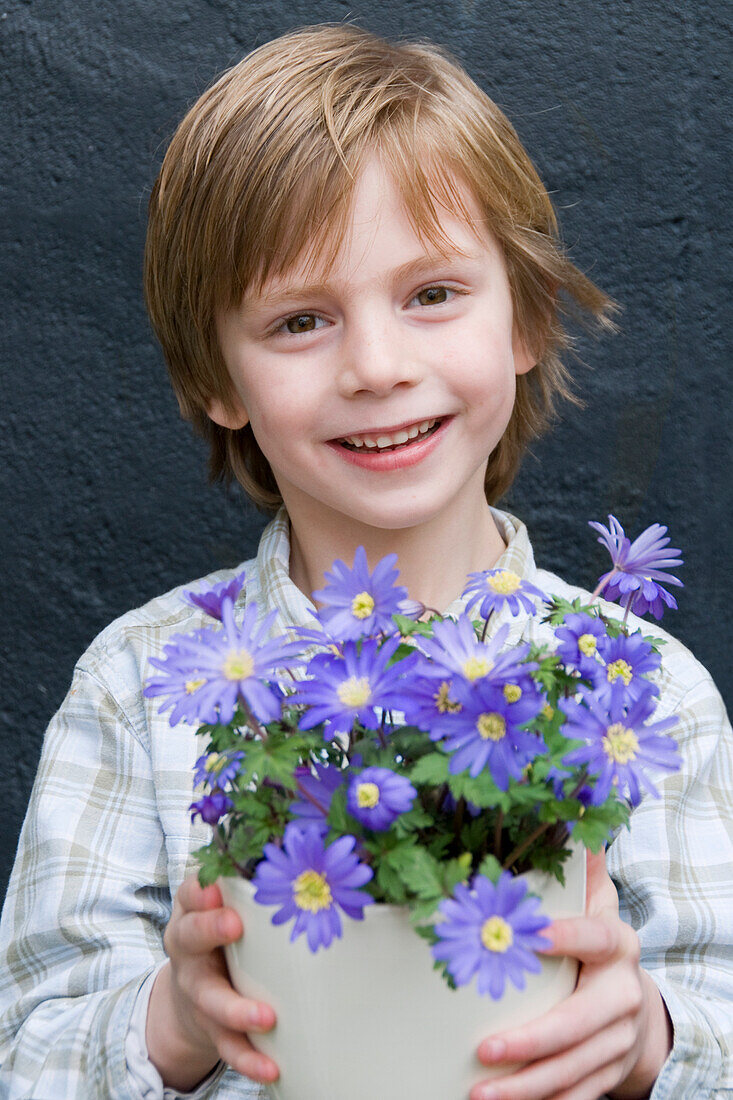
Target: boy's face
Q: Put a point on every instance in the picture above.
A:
(395, 340)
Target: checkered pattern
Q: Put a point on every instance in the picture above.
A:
(108, 840)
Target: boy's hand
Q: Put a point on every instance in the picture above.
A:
(195, 1016)
(612, 1035)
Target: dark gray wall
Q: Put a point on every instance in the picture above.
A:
(104, 499)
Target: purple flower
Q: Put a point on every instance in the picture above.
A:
(491, 931)
(217, 768)
(320, 787)
(310, 882)
(579, 638)
(455, 649)
(211, 599)
(627, 661)
(360, 603)
(429, 703)
(497, 588)
(351, 688)
(638, 567)
(618, 746)
(205, 676)
(211, 807)
(486, 733)
(378, 796)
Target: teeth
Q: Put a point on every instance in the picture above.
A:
(395, 440)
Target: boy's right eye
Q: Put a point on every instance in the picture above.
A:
(299, 322)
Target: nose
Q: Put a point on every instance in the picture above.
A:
(376, 357)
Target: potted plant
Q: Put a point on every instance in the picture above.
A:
(414, 801)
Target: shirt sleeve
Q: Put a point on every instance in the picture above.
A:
(87, 903)
(673, 873)
(145, 1075)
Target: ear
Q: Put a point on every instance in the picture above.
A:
(228, 414)
(524, 360)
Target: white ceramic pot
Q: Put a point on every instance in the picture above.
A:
(368, 1018)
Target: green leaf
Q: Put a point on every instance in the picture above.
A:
(455, 871)
(338, 816)
(431, 768)
(213, 864)
(391, 883)
(418, 870)
(490, 868)
(410, 822)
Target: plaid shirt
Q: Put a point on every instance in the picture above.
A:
(108, 839)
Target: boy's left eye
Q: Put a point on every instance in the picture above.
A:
(433, 295)
(300, 322)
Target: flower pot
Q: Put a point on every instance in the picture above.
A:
(368, 1016)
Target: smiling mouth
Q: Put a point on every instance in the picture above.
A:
(392, 441)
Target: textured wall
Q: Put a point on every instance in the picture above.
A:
(103, 487)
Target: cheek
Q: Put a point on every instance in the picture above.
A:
(483, 370)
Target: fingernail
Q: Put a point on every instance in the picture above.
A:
(488, 1093)
(268, 1069)
(493, 1050)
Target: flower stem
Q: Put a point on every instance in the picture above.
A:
(520, 849)
(603, 584)
(498, 829)
(458, 816)
(251, 720)
(314, 801)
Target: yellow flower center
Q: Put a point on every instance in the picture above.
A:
(620, 744)
(505, 582)
(367, 795)
(496, 934)
(194, 685)
(443, 702)
(239, 665)
(491, 727)
(354, 692)
(548, 712)
(312, 892)
(216, 762)
(619, 668)
(512, 693)
(362, 605)
(587, 644)
(476, 667)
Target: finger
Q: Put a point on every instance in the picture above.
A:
(191, 895)
(198, 933)
(591, 939)
(216, 999)
(593, 1087)
(581, 1015)
(567, 1074)
(237, 1051)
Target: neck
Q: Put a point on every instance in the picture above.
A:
(434, 558)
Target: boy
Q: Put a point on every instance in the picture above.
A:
(354, 271)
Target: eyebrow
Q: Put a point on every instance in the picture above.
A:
(412, 269)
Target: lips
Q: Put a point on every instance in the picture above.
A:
(383, 441)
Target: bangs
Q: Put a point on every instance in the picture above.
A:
(298, 215)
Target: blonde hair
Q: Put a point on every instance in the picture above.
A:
(261, 171)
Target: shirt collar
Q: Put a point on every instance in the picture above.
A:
(277, 590)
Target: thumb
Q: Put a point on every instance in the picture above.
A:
(600, 893)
